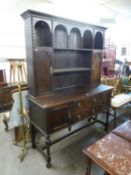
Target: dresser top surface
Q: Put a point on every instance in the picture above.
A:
(68, 95)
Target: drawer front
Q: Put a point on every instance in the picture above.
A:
(83, 109)
(59, 117)
(83, 104)
(82, 115)
(91, 105)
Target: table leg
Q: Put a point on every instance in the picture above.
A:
(33, 133)
(48, 159)
(88, 170)
(107, 120)
(114, 117)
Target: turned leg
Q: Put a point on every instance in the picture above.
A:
(114, 117)
(33, 133)
(5, 121)
(16, 132)
(88, 170)
(107, 120)
(48, 158)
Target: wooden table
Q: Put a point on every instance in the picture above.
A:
(112, 153)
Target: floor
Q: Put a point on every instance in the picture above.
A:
(67, 156)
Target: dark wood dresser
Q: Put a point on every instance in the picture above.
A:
(64, 60)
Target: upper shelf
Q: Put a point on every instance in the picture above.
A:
(71, 49)
(66, 70)
(61, 37)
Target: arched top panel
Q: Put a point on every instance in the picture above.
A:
(87, 39)
(43, 34)
(75, 38)
(98, 42)
(60, 36)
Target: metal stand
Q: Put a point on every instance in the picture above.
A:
(25, 125)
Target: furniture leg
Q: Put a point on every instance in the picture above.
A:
(107, 120)
(5, 121)
(21, 72)
(114, 117)
(14, 70)
(24, 71)
(16, 132)
(33, 133)
(88, 170)
(11, 71)
(48, 159)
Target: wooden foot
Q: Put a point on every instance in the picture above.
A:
(88, 170)
(16, 133)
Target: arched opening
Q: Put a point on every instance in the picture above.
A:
(43, 34)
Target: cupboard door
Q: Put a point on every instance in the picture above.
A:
(58, 117)
(96, 67)
(42, 69)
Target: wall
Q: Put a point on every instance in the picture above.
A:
(119, 34)
(12, 41)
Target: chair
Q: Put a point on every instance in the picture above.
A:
(126, 82)
(120, 96)
(112, 153)
(13, 118)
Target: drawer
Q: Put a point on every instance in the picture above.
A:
(80, 115)
(83, 109)
(83, 104)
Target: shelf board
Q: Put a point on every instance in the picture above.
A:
(39, 48)
(69, 49)
(80, 69)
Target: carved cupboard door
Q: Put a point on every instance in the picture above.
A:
(96, 67)
(42, 68)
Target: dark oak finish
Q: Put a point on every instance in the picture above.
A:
(57, 110)
(61, 53)
(64, 70)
